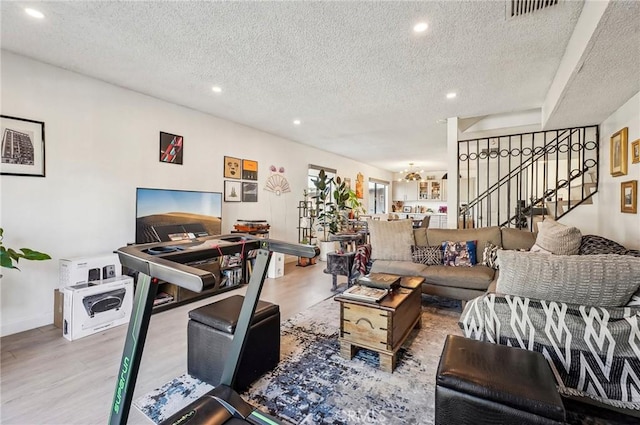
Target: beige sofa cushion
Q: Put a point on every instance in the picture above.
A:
(607, 280)
(420, 236)
(391, 240)
(476, 277)
(517, 239)
(401, 268)
(557, 238)
(482, 236)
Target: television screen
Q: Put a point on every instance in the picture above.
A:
(164, 215)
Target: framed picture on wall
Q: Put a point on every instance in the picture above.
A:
(232, 191)
(22, 147)
(249, 192)
(629, 197)
(249, 169)
(171, 147)
(232, 168)
(635, 152)
(619, 153)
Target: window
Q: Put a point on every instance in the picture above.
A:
(378, 196)
(314, 170)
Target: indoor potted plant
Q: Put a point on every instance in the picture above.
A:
(325, 213)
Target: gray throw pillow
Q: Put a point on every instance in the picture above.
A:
(596, 280)
(391, 240)
(427, 255)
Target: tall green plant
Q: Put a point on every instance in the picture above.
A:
(322, 199)
(9, 257)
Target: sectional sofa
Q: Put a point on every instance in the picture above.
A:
(391, 252)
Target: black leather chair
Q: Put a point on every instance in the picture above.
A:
(483, 383)
(210, 332)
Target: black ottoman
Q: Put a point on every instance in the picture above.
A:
(210, 332)
(483, 383)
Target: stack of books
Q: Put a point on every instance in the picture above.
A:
(380, 280)
(365, 294)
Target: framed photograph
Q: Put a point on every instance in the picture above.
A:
(232, 191)
(249, 192)
(635, 152)
(347, 182)
(406, 209)
(232, 168)
(629, 197)
(249, 169)
(22, 147)
(171, 146)
(619, 153)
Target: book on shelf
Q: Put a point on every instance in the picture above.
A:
(162, 298)
(380, 280)
(365, 293)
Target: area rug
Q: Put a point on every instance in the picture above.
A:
(314, 385)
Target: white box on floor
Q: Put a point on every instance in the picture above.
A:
(89, 269)
(96, 306)
(276, 265)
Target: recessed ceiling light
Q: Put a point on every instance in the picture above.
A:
(297, 122)
(216, 89)
(34, 13)
(420, 27)
(441, 121)
(451, 95)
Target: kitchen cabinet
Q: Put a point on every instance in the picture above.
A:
(432, 190)
(405, 191)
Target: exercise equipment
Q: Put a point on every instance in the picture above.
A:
(170, 261)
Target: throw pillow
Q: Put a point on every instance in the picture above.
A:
(489, 255)
(595, 280)
(459, 253)
(427, 255)
(558, 238)
(537, 248)
(391, 240)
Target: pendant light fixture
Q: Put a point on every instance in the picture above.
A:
(412, 175)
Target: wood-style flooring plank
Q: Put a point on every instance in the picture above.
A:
(45, 379)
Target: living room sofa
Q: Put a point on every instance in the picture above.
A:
(462, 283)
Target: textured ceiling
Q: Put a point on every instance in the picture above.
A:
(362, 83)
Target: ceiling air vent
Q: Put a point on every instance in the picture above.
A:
(523, 7)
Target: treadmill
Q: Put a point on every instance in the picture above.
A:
(174, 262)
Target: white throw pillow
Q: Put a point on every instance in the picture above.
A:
(557, 238)
(391, 240)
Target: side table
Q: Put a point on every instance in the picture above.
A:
(339, 264)
(382, 327)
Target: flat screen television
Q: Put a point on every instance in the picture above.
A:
(164, 214)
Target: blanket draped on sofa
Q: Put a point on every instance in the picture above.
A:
(594, 351)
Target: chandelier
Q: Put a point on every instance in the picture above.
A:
(412, 175)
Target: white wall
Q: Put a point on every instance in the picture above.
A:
(102, 142)
(604, 217)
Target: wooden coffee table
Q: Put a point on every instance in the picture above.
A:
(381, 327)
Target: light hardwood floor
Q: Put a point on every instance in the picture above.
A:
(45, 379)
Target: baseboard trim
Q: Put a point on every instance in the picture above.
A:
(27, 324)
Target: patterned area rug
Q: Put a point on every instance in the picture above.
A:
(314, 385)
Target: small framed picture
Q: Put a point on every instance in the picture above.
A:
(22, 147)
(619, 153)
(406, 209)
(249, 169)
(232, 167)
(635, 152)
(171, 146)
(232, 191)
(629, 197)
(249, 192)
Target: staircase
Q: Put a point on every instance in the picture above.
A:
(521, 178)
